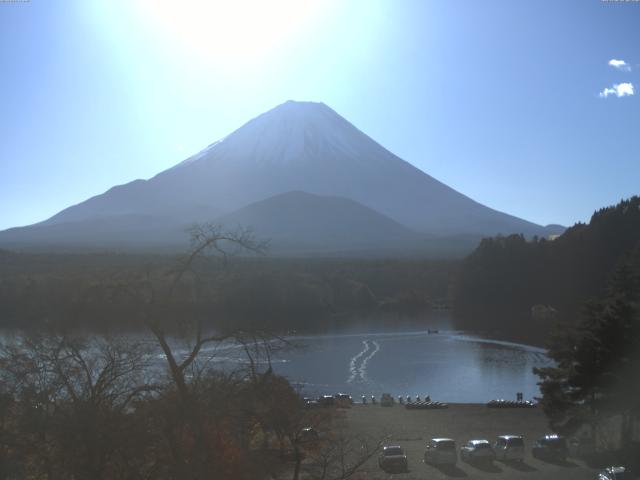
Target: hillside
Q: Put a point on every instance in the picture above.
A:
(505, 278)
(302, 222)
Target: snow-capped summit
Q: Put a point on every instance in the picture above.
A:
(291, 132)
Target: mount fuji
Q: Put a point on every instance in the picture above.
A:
(299, 174)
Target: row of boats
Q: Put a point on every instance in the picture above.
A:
(510, 404)
(386, 400)
(426, 405)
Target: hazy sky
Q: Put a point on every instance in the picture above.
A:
(514, 103)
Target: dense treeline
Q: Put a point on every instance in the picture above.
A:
(300, 294)
(520, 289)
(592, 391)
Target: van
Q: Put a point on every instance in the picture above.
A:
(509, 447)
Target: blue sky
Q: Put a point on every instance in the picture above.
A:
(513, 103)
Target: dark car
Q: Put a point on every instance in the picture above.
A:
(551, 447)
(615, 473)
(327, 400)
(393, 458)
(343, 399)
(441, 451)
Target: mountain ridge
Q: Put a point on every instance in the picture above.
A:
(304, 147)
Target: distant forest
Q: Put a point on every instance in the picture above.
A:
(521, 289)
(509, 287)
(101, 292)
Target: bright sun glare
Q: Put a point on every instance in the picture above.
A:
(237, 32)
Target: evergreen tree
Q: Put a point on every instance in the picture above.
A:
(499, 283)
(595, 376)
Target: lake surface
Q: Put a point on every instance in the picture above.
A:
(449, 366)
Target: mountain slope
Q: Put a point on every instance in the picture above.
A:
(137, 232)
(292, 222)
(297, 146)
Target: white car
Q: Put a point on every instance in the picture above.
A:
(509, 447)
(614, 473)
(441, 451)
(477, 450)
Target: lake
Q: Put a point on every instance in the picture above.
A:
(449, 366)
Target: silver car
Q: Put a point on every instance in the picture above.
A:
(441, 451)
(509, 447)
(477, 450)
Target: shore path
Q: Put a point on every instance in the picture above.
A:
(411, 429)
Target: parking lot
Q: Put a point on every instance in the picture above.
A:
(411, 429)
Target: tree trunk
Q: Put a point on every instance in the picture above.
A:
(298, 460)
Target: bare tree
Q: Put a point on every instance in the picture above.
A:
(172, 303)
(342, 456)
(205, 240)
(69, 400)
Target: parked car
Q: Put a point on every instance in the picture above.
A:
(477, 450)
(615, 473)
(393, 458)
(310, 402)
(386, 400)
(551, 447)
(343, 400)
(441, 451)
(327, 400)
(509, 447)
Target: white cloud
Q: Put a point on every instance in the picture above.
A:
(620, 65)
(619, 90)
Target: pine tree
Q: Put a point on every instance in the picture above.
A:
(595, 376)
